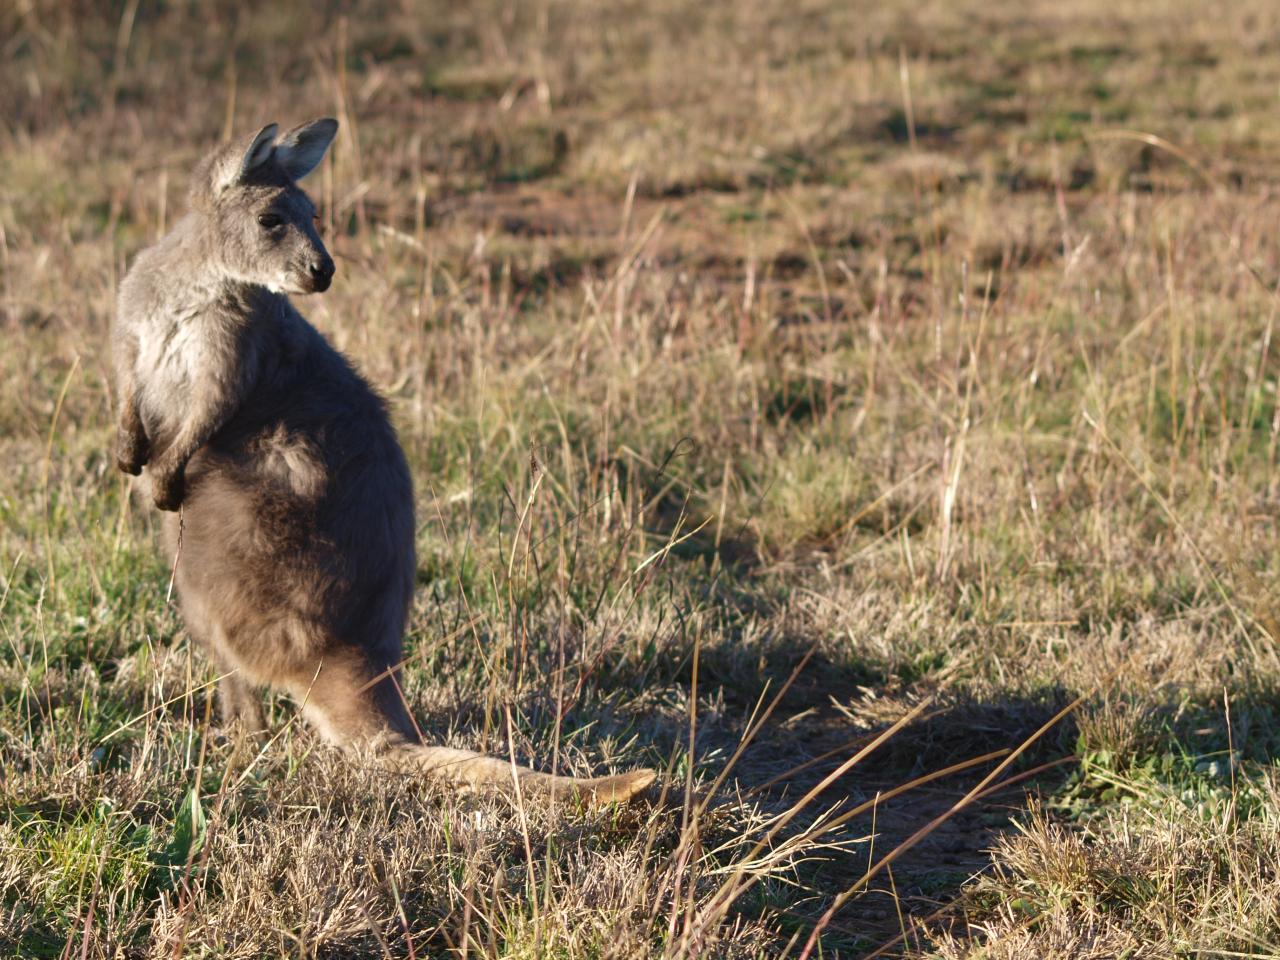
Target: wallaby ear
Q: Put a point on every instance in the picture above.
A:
(259, 151)
(301, 149)
(230, 164)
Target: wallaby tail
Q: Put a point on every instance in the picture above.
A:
(465, 769)
(352, 712)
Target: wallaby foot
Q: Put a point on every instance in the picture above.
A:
(239, 703)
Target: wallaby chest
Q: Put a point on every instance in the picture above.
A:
(190, 356)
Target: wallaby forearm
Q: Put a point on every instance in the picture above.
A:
(168, 469)
(133, 448)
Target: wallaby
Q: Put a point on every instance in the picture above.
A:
(294, 547)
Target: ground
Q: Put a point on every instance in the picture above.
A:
(816, 401)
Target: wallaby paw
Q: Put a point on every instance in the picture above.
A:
(168, 490)
(132, 467)
(131, 453)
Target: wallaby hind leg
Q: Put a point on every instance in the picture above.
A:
(350, 710)
(238, 700)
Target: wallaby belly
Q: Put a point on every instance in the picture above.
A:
(296, 536)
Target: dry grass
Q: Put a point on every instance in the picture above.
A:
(934, 342)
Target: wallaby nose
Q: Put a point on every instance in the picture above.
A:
(321, 274)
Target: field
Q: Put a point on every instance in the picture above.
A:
(866, 413)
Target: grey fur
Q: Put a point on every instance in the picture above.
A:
(296, 566)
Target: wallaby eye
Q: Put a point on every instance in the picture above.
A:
(269, 221)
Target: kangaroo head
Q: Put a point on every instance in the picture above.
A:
(259, 225)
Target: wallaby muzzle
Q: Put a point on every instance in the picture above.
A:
(320, 272)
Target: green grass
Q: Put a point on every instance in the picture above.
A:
(935, 343)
